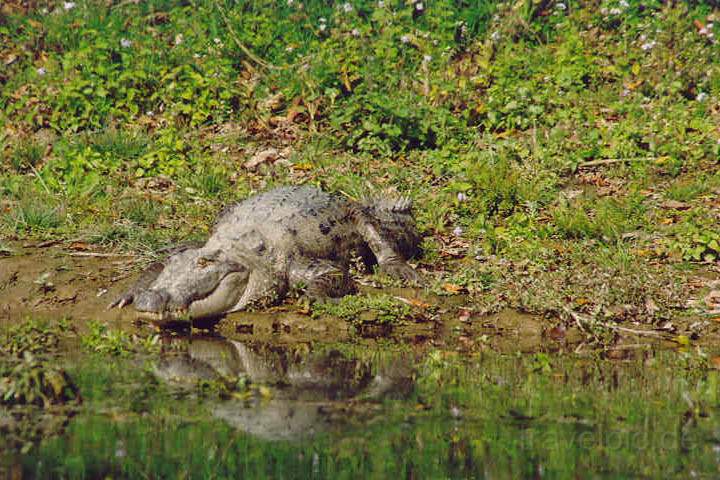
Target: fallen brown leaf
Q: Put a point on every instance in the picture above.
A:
(453, 288)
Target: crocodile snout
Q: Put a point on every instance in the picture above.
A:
(152, 301)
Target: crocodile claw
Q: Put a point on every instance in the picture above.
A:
(402, 271)
(121, 302)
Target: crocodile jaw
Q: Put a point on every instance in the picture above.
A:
(219, 301)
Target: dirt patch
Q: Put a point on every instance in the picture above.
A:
(53, 281)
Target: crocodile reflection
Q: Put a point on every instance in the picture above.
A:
(312, 391)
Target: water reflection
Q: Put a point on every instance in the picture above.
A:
(311, 389)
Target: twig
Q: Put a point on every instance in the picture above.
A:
(242, 46)
(98, 254)
(124, 3)
(582, 320)
(42, 182)
(249, 53)
(607, 161)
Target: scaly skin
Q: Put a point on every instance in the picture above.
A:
(268, 244)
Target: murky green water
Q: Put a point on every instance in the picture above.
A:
(212, 408)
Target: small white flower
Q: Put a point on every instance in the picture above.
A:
(643, 37)
(701, 97)
(615, 11)
(405, 39)
(347, 8)
(178, 39)
(461, 197)
(355, 32)
(710, 35)
(649, 45)
(68, 6)
(125, 43)
(624, 4)
(381, 4)
(41, 71)
(322, 27)
(703, 31)
(419, 7)
(322, 20)
(561, 6)
(44, 10)
(149, 113)
(289, 48)
(216, 41)
(290, 2)
(427, 58)
(710, 26)
(495, 36)
(457, 231)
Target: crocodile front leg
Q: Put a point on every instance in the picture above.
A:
(390, 261)
(263, 290)
(142, 284)
(321, 278)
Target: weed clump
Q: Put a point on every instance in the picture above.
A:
(360, 309)
(35, 382)
(34, 336)
(102, 340)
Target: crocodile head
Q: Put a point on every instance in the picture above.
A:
(194, 283)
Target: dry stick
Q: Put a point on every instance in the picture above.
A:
(607, 161)
(582, 320)
(97, 254)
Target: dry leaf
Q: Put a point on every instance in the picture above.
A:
(674, 205)
(715, 362)
(305, 166)
(80, 246)
(453, 288)
(269, 155)
(414, 302)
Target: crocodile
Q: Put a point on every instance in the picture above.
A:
(293, 238)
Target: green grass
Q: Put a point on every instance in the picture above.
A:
(487, 113)
(685, 190)
(26, 156)
(605, 219)
(141, 211)
(31, 215)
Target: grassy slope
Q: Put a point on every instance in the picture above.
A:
(561, 154)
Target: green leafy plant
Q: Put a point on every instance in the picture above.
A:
(698, 244)
(359, 309)
(102, 340)
(33, 382)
